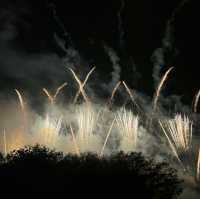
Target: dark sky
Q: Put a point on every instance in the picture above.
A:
(27, 29)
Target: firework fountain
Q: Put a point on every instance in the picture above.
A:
(178, 132)
(128, 128)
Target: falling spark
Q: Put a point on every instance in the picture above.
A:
(81, 85)
(114, 91)
(158, 90)
(196, 101)
(178, 132)
(74, 141)
(198, 167)
(5, 142)
(128, 128)
(106, 140)
(52, 98)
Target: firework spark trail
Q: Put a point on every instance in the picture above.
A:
(128, 128)
(131, 96)
(20, 100)
(5, 142)
(113, 92)
(74, 141)
(22, 105)
(52, 98)
(196, 101)
(198, 166)
(178, 132)
(48, 95)
(81, 85)
(106, 140)
(158, 90)
(59, 89)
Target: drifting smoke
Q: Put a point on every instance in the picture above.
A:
(158, 56)
(115, 74)
(120, 24)
(32, 69)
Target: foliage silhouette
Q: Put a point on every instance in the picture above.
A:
(38, 169)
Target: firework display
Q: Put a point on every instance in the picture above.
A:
(102, 129)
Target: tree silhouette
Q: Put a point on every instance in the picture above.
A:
(38, 169)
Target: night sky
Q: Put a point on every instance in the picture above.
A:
(134, 29)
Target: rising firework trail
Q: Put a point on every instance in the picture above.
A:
(113, 92)
(82, 85)
(59, 89)
(5, 142)
(158, 90)
(52, 98)
(106, 139)
(198, 167)
(22, 105)
(131, 96)
(48, 95)
(20, 100)
(196, 101)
